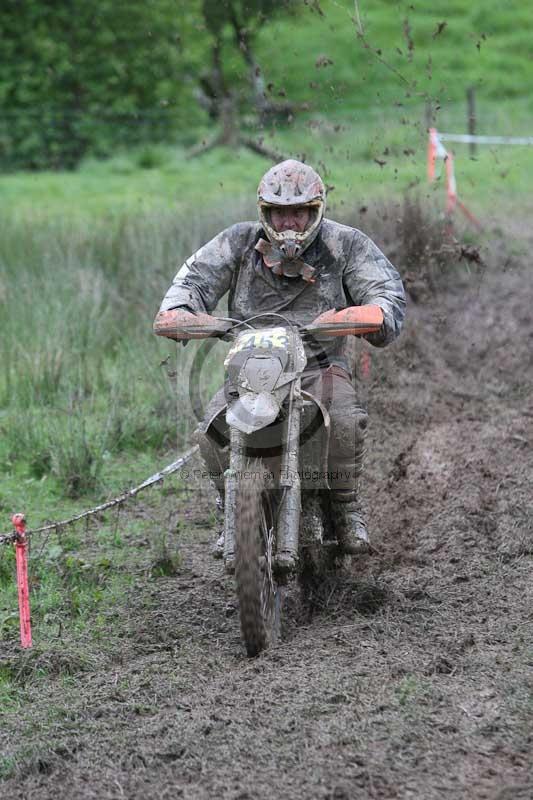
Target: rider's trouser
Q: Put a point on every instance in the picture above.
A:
(333, 387)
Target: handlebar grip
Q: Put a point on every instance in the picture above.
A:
(355, 320)
(343, 328)
(370, 315)
(179, 324)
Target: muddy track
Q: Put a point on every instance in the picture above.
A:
(414, 676)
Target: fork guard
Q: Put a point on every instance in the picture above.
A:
(314, 450)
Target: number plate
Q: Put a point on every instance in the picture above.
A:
(268, 339)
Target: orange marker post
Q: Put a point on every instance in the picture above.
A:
(432, 153)
(21, 552)
(365, 365)
(451, 186)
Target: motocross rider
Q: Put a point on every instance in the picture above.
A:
(295, 262)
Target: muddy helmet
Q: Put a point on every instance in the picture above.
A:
(291, 183)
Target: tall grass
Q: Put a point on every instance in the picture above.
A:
(81, 375)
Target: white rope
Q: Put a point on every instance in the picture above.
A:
(468, 138)
(158, 476)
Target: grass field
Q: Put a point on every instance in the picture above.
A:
(361, 159)
(90, 402)
(397, 52)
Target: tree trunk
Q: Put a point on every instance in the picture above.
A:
(242, 38)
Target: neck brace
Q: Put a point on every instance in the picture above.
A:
(278, 262)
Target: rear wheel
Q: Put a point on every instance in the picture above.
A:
(259, 595)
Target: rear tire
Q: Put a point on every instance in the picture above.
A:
(259, 596)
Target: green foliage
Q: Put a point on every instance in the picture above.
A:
(232, 79)
(7, 565)
(343, 147)
(65, 582)
(407, 690)
(244, 16)
(150, 157)
(7, 764)
(79, 77)
(57, 445)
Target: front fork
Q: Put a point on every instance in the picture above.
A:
(290, 504)
(290, 485)
(231, 477)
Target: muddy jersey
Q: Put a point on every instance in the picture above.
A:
(350, 270)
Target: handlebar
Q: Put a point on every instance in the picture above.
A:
(177, 323)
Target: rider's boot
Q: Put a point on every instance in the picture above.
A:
(217, 551)
(349, 523)
(348, 520)
(215, 462)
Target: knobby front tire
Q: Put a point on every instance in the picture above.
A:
(259, 596)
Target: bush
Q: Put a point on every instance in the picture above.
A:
(151, 157)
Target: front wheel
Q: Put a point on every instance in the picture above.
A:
(259, 595)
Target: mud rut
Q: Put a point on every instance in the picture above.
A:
(413, 678)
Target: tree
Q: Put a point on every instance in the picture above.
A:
(78, 77)
(233, 25)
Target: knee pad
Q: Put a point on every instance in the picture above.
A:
(350, 427)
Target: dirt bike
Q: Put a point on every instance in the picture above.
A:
(277, 521)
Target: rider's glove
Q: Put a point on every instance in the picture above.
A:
(180, 324)
(356, 320)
